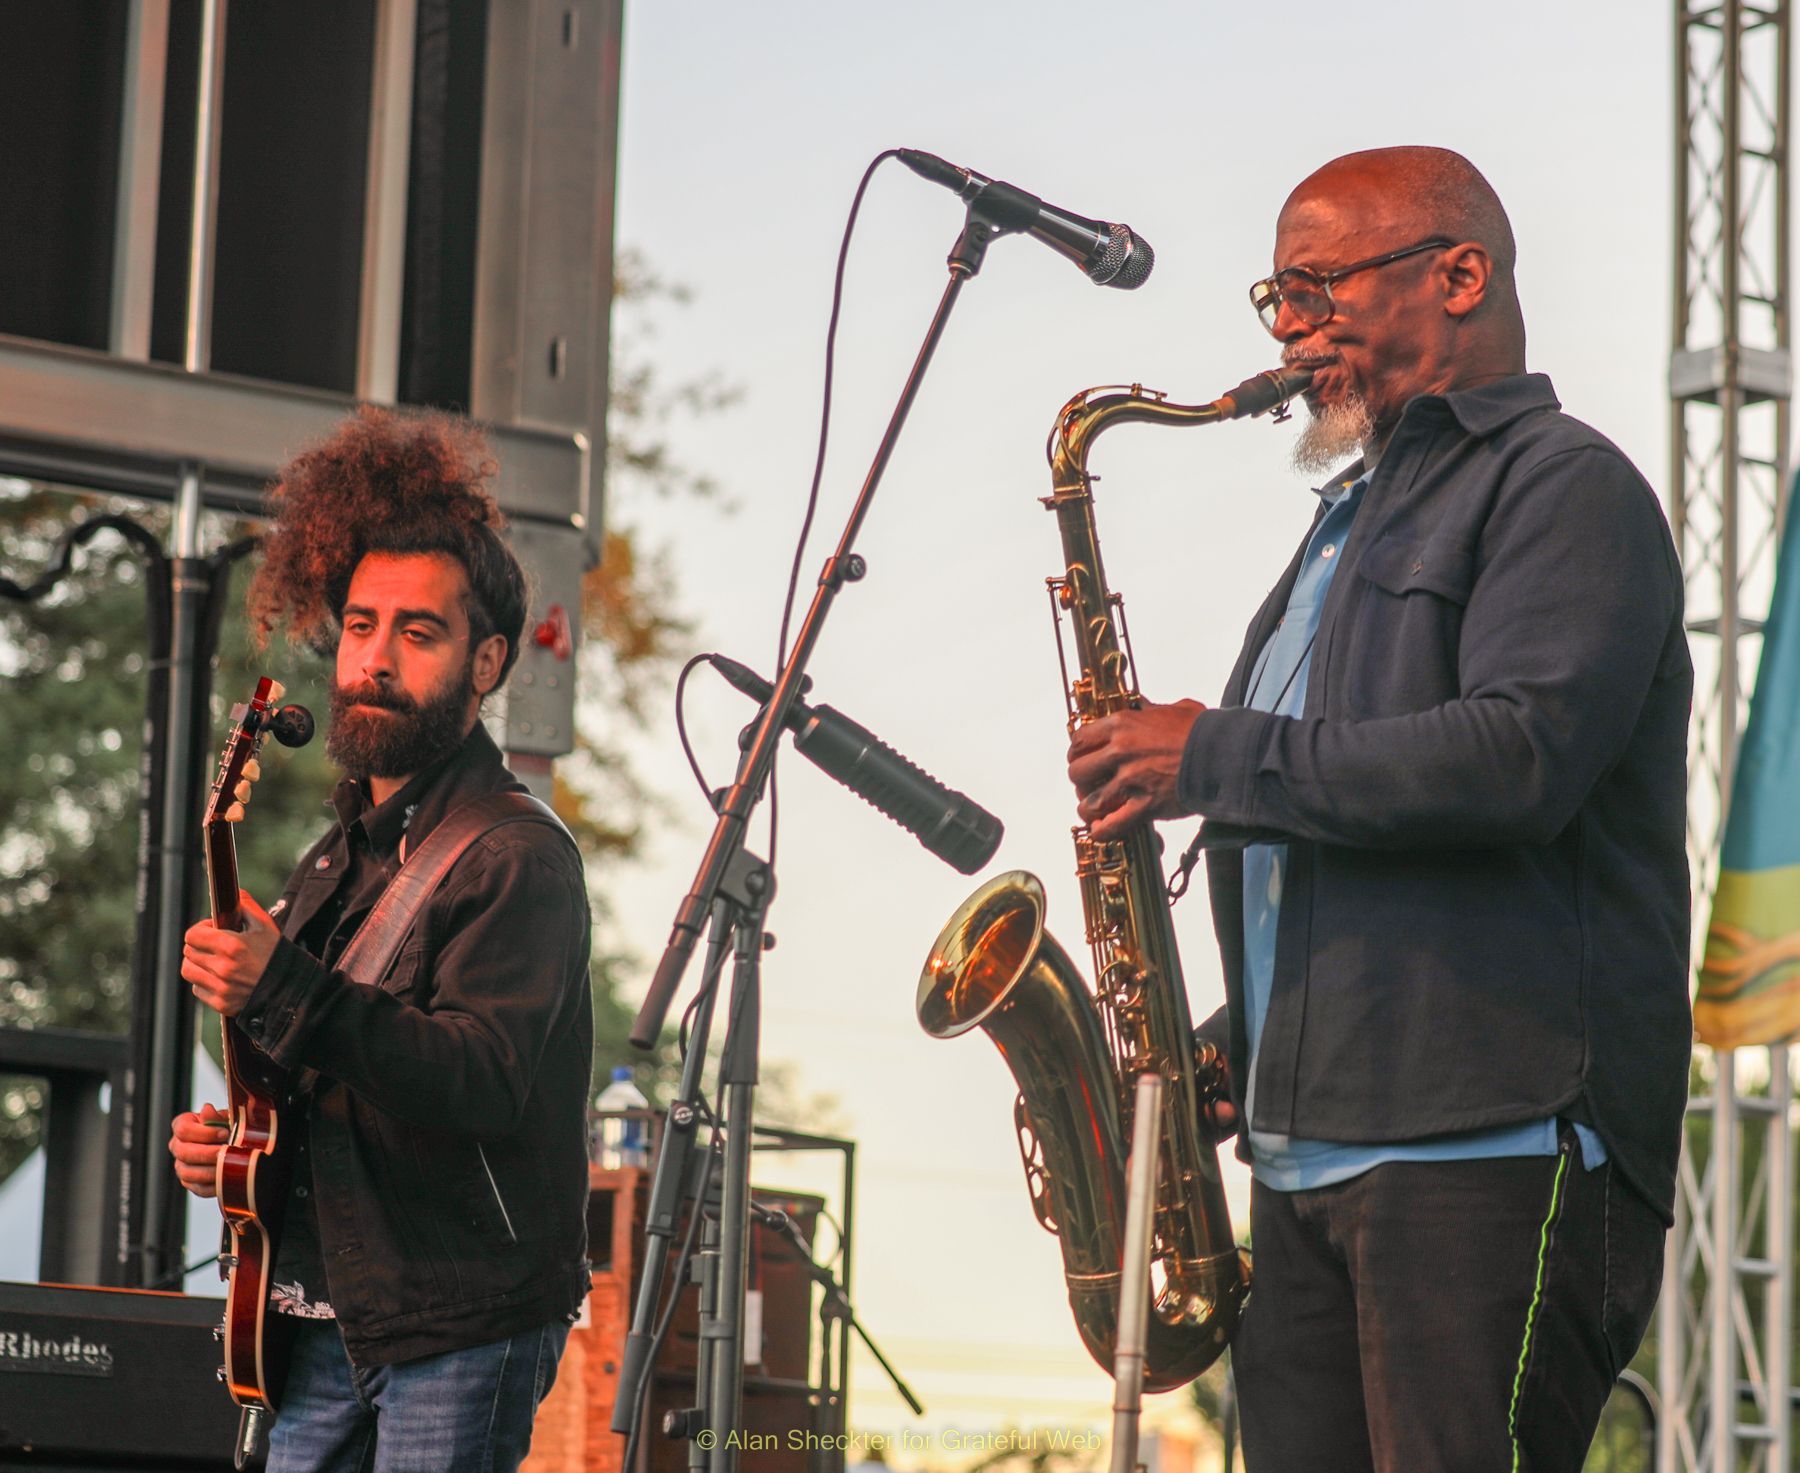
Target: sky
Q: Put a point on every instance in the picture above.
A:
(744, 132)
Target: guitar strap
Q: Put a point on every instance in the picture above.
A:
(379, 938)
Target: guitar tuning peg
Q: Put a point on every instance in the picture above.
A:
(276, 691)
(218, 1332)
(252, 769)
(235, 813)
(222, 1375)
(242, 790)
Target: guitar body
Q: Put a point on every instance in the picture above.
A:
(254, 1166)
(252, 1182)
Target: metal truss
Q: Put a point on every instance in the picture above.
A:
(1723, 1325)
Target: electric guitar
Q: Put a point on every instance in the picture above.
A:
(253, 1168)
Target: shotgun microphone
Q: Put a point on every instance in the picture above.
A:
(950, 824)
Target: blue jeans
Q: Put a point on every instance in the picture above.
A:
(462, 1410)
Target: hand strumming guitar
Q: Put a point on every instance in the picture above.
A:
(195, 1143)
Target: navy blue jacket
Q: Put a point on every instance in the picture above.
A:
(1485, 915)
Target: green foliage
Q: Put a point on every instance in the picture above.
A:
(74, 669)
(1211, 1393)
(1626, 1439)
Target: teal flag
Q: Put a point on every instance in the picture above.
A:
(1749, 989)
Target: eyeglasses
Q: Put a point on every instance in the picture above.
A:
(1308, 292)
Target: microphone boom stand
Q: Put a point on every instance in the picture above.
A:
(843, 566)
(722, 1390)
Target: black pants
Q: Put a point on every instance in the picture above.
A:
(1442, 1317)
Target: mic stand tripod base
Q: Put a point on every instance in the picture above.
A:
(744, 890)
(835, 1305)
(724, 1394)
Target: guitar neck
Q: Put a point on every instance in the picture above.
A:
(222, 877)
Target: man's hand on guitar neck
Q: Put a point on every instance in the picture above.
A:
(223, 967)
(195, 1143)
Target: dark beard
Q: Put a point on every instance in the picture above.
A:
(402, 738)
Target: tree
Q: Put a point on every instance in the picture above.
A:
(74, 669)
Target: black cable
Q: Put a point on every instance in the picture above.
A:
(709, 985)
(681, 731)
(812, 496)
(174, 1277)
(63, 557)
(701, 993)
(837, 1229)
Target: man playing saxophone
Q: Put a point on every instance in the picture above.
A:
(1444, 797)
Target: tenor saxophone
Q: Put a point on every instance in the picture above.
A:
(1076, 1055)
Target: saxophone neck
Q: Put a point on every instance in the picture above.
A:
(1092, 411)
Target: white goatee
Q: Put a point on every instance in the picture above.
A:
(1332, 435)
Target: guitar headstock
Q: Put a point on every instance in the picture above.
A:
(239, 768)
(238, 765)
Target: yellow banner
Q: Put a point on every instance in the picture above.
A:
(1750, 979)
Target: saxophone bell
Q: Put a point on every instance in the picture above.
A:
(995, 967)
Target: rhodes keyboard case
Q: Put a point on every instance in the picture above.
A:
(111, 1379)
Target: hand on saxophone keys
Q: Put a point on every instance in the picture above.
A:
(1125, 766)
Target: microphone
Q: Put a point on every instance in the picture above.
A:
(1111, 255)
(950, 824)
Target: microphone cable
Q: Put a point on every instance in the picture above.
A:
(818, 475)
(806, 523)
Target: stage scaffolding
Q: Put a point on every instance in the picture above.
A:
(1724, 1324)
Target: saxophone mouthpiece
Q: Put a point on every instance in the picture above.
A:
(1265, 391)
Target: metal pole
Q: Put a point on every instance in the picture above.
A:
(1134, 1280)
(1778, 1304)
(1731, 399)
(203, 213)
(163, 1241)
(738, 1068)
(1672, 1354)
(169, 1043)
(1722, 1378)
(384, 202)
(140, 177)
(1679, 315)
(1779, 1248)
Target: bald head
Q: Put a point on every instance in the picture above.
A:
(1418, 192)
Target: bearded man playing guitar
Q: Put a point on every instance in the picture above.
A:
(433, 1254)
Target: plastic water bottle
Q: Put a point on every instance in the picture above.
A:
(621, 1140)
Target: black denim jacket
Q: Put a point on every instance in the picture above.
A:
(448, 1128)
(1485, 913)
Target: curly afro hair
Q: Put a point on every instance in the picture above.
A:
(385, 482)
